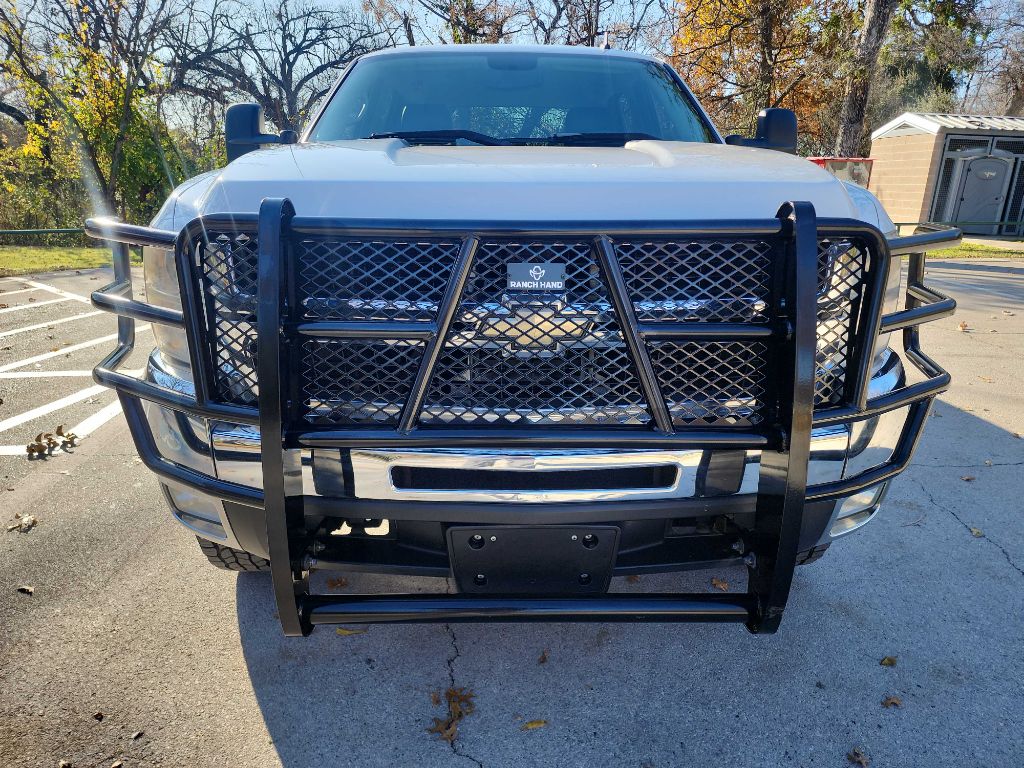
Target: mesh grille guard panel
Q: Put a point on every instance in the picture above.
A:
(533, 357)
(227, 270)
(347, 279)
(526, 357)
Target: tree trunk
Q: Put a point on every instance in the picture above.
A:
(877, 15)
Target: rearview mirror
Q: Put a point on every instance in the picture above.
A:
(243, 131)
(776, 129)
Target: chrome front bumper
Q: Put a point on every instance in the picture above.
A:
(231, 452)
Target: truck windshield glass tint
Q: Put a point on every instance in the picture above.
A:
(514, 97)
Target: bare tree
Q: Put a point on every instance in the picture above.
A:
(282, 54)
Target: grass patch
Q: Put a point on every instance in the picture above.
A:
(979, 251)
(26, 259)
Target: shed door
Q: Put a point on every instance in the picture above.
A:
(982, 194)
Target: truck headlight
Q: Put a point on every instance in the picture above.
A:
(161, 279)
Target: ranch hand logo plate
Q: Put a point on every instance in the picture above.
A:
(548, 276)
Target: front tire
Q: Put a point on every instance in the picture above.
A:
(231, 559)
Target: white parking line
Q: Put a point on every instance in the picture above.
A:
(4, 294)
(58, 321)
(83, 430)
(56, 405)
(44, 374)
(33, 305)
(59, 291)
(65, 350)
(57, 374)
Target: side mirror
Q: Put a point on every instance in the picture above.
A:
(244, 132)
(776, 129)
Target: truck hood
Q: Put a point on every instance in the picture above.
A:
(643, 181)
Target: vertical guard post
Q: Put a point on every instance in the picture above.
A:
(282, 469)
(782, 484)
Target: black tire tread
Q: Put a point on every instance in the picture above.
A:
(230, 559)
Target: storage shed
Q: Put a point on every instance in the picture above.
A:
(965, 169)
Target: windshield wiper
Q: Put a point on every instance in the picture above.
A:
(440, 137)
(590, 139)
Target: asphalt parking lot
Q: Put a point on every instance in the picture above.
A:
(133, 650)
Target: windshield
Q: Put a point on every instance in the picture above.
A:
(510, 98)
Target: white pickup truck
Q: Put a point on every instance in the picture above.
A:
(522, 318)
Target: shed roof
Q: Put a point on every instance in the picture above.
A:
(938, 122)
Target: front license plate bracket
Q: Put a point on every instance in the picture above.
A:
(525, 560)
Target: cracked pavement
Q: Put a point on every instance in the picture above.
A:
(128, 620)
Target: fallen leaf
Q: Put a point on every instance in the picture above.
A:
(137, 735)
(446, 729)
(98, 717)
(460, 704)
(1008, 312)
(888, 661)
(892, 701)
(720, 584)
(977, 533)
(856, 756)
(968, 478)
(543, 657)
(25, 590)
(533, 725)
(345, 631)
(435, 698)
(118, 764)
(963, 327)
(337, 582)
(64, 764)
(633, 579)
(23, 523)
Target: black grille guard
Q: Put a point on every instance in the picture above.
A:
(784, 438)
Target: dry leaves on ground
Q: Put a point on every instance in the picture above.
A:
(543, 657)
(346, 631)
(888, 661)
(968, 478)
(460, 704)
(533, 725)
(963, 327)
(337, 582)
(633, 579)
(22, 523)
(856, 756)
(26, 590)
(892, 701)
(977, 533)
(721, 584)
